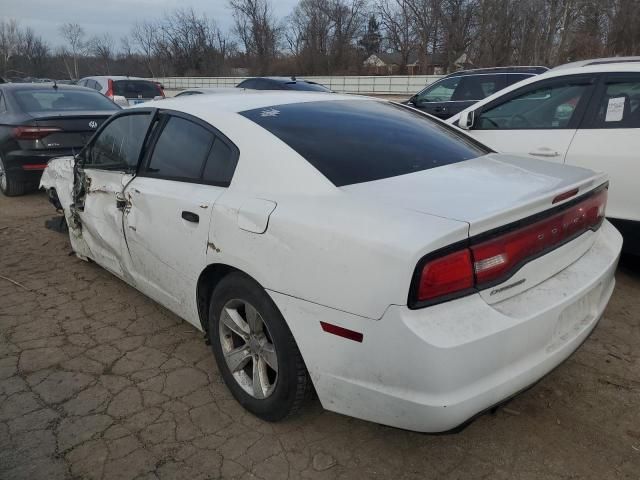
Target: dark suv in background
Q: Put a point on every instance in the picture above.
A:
(457, 91)
(282, 83)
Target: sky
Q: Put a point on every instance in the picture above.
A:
(115, 17)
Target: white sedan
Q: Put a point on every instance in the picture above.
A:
(585, 114)
(353, 245)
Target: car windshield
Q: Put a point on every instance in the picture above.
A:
(142, 89)
(354, 141)
(308, 86)
(56, 100)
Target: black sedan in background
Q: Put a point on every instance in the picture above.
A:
(42, 121)
(457, 91)
(282, 83)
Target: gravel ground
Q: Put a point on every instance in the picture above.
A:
(97, 381)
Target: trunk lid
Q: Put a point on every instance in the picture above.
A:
(486, 192)
(75, 129)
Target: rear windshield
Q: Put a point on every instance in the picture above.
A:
(136, 89)
(311, 87)
(52, 100)
(354, 141)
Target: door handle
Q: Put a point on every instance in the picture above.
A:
(545, 153)
(190, 217)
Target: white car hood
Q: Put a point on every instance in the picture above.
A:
(486, 192)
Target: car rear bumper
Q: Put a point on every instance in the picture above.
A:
(28, 165)
(432, 369)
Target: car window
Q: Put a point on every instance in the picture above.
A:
(441, 91)
(619, 105)
(477, 87)
(118, 145)
(354, 141)
(221, 163)
(538, 107)
(511, 78)
(56, 100)
(94, 84)
(248, 83)
(142, 89)
(3, 104)
(181, 150)
(306, 86)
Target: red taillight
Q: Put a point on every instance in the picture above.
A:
(109, 89)
(448, 274)
(487, 262)
(33, 133)
(501, 255)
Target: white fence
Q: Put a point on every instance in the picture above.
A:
(393, 85)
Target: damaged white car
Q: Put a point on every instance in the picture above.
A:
(410, 275)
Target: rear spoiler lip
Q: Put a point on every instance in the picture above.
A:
(558, 207)
(468, 242)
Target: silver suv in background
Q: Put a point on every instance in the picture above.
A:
(124, 91)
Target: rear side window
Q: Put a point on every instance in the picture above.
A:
(354, 141)
(221, 163)
(141, 89)
(619, 106)
(58, 100)
(181, 150)
(186, 151)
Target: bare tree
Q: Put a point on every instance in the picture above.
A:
(73, 33)
(102, 48)
(9, 41)
(398, 25)
(145, 36)
(256, 27)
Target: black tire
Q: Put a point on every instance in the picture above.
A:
(9, 186)
(293, 384)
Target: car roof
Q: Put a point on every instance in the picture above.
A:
(598, 61)
(282, 79)
(43, 86)
(114, 77)
(243, 100)
(515, 69)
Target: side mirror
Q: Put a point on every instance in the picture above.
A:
(467, 120)
(120, 100)
(158, 97)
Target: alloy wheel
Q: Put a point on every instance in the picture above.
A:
(248, 348)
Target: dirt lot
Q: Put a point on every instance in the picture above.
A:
(97, 381)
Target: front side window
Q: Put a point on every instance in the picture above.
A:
(619, 106)
(441, 91)
(118, 145)
(541, 107)
(181, 150)
(354, 141)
